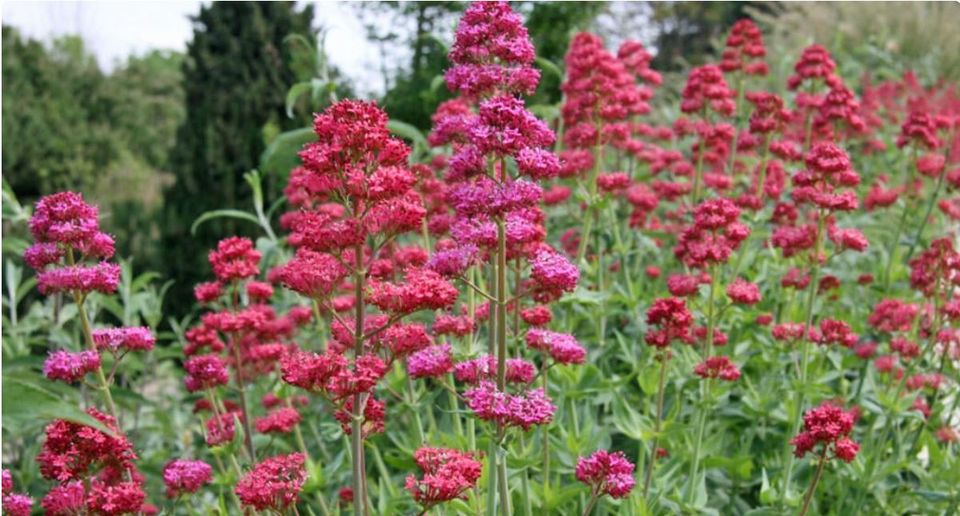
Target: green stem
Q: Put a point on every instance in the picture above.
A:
(656, 427)
(926, 215)
(813, 484)
(705, 389)
(492, 473)
(356, 423)
(894, 243)
(805, 357)
(591, 197)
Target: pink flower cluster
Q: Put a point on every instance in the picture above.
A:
(606, 473)
(70, 367)
(183, 476)
(447, 475)
(521, 410)
(829, 426)
(273, 484)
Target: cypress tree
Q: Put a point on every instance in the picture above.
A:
(236, 75)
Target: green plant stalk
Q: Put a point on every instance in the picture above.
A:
(356, 423)
(546, 436)
(589, 507)
(705, 390)
(926, 215)
(813, 483)
(789, 457)
(736, 126)
(415, 406)
(454, 408)
(698, 171)
(492, 472)
(79, 300)
(501, 338)
(656, 427)
(104, 387)
(591, 197)
(892, 248)
(248, 433)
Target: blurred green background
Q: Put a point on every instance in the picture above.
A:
(165, 136)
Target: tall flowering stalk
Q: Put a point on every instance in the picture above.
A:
(94, 470)
(497, 212)
(825, 187)
(356, 196)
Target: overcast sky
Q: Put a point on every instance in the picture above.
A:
(114, 30)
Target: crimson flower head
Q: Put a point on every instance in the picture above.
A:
(744, 50)
(717, 367)
(273, 484)
(830, 426)
(280, 421)
(183, 476)
(769, 114)
(599, 91)
(484, 368)
(637, 61)
(235, 259)
(124, 339)
(447, 475)
(673, 320)
(706, 88)
(72, 451)
(562, 347)
(606, 473)
(69, 367)
(936, 269)
(920, 128)
(521, 410)
(491, 52)
(715, 233)
(815, 63)
(205, 372)
(431, 362)
(828, 179)
(743, 292)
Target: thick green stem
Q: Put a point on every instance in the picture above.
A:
(492, 473)
(895, 242)
(591, 212)
(926, 215)
(813, 483)
(805, 357)
(356, 424)
(656, 427)
(705, 389)
(104, 387)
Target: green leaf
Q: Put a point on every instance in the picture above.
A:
(294, 93)
(216, 214)
(407, 131)
(281, 155)
(26, 402)
(548, 66)
(436, 84)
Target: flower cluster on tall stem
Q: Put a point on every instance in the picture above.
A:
(95, 470)
(497, 216)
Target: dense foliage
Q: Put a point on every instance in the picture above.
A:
(729, 292)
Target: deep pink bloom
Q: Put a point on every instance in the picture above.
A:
(484, 367)
(423, 289)
(522, 410)
(208, 292)
(717, 367)
(431, 362)
(447, 475)
(743, 292)
(184, 476)
(102, 277)
(127, 339)
(280, 421)
(71, 450)
(205, 372)
(553, 272)
(70, 367)
(828, 425)
(606, 473)
(313, 274)
(673, 319)
(404, 339)
(562, 347)
(234, 259)
(273, 484)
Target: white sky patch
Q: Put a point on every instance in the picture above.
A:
(114, 30)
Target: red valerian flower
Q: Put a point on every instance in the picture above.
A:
(280, 421)
(891, 315)
(743, 292)
(484, 367)
(717, 367)
(71, 449)
(673, 320)
(234, 259)
(430, 362)
(374, 417)
(705, 88)
(205, 372)
(273, 484)
(606, 473)
(183, 476)
(744, 50)
(127, 339)
(814, 64)
(830, 426)
(521, 410)
(102, 277)
(447, 475)
(562, 347)
(70, 367)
